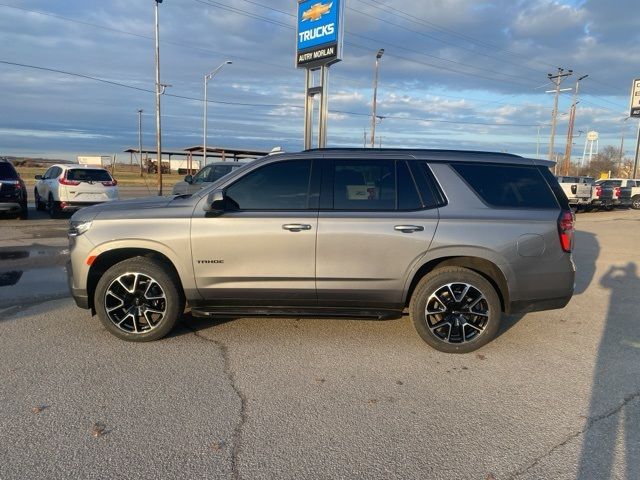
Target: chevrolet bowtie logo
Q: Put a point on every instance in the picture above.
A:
(316, 11)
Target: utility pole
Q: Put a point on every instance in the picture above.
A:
(375, 97)
(538, 143)
(634, 172)
(208, 77)
(364, 140)
(557, 79)
(624, 125)
(158, 93)
(572, 119)
(140, 138)
(160, 88)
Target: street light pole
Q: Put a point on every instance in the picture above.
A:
(140, 138)
(159, 91)
(208, 77)
(375, 97)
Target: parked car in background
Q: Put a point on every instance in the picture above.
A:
(205, 177)
(13, 192)
(66, 188)
(579, 190)
(455, 237)
(621, 190)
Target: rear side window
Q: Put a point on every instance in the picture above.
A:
(88, 175)
(364, 185)
(508, 186)
(7, 171)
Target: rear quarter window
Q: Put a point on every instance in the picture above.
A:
(508, 186)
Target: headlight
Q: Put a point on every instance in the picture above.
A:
(78, 228)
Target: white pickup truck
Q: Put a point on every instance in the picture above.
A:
(579, 190)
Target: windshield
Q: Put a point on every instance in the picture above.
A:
(88, 175)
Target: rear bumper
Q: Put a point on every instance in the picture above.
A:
(79, 295)
(73, 206)
(10, 206)
(525, 306)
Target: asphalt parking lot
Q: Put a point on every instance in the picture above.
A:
(556, 396)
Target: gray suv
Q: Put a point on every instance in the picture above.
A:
(457, 238)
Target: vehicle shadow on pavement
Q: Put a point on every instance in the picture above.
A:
(189, 324)
(612, 428)
(585, 254)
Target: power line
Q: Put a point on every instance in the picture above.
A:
(248, 104)
(213, 3)
(421, 21)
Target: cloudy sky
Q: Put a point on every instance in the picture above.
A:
(455, 73)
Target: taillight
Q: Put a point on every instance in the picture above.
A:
(112, 183)
(63, 180)
(598, 190)
(566, 230)
(616, 192)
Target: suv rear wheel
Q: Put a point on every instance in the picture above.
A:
(455, 310)
(139, 300)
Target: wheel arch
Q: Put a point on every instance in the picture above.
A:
(107, 259)
(482, 266)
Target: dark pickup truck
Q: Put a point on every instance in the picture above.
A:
(615, 192)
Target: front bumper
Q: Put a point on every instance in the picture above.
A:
(79, 295)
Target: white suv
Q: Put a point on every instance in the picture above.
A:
(66, 188)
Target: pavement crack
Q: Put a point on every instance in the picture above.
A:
(590, 423)
(236, 441)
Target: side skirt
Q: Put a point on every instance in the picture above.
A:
(380, 314)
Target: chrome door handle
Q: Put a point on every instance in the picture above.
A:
(296, 227)
(409, 228)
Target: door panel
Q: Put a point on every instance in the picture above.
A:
(258, 261)
(377, 226)
(262, 250)
(363, 260)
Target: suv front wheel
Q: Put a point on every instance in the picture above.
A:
(139, 299)
(455, 310)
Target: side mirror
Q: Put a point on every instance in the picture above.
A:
(188, 179)
(38, 177)
(216, 204)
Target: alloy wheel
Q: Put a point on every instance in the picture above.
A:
(135, 303)
(457, 313)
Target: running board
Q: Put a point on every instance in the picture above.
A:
(209, 312)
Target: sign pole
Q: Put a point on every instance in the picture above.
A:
(324, 107)
(308, 110)
(319, 32)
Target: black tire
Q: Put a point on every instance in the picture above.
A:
(40, 205)
(458, 333)
(608, 208)
(24, 212)
(108, 289)
(53, 207)
(635, 202)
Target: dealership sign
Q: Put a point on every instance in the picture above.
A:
(319, 33)
(635, 99)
